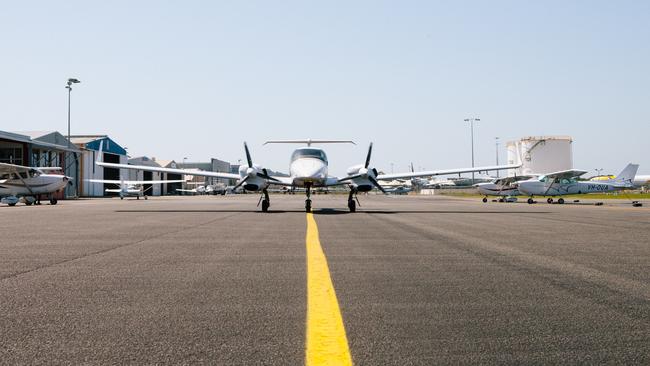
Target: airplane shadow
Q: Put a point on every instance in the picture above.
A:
(330, 211)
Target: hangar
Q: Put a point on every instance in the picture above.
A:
(156, 189)
(42, 149)
(88, 145)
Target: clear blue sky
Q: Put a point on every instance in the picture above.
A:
(195, 79)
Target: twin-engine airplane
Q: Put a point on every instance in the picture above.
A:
(308, 169)
(17, 181)
(564, 183)
(131, 188)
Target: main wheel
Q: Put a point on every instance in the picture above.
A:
(53, 201)
(484, 199)
(530, 201)
(352, 205)
(12, 204)
(308, 205)
(549, 200)
(121, 197)
(265, 206)
(560, 201)
(145, 198)
(28, 203)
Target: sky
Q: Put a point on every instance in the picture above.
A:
(195, 79)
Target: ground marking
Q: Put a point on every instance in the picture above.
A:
(327, 343)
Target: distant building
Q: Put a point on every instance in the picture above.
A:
(540, 154)
(112, 153)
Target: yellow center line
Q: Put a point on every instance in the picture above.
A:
(327, 343)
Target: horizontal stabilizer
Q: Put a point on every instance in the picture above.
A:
(309, 142)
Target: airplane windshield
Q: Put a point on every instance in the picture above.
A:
(309, 153)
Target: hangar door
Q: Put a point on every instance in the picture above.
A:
(111, 173)
(172, 187)
(147, 188)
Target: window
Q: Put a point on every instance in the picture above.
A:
(11, 155)
(309, 153)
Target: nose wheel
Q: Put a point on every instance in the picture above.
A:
(308, 200)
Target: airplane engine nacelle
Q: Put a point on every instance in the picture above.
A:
(254, 184)
(354, 170)
(364, 187)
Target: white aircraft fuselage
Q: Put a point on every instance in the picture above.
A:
(565, 187)
(36, 184)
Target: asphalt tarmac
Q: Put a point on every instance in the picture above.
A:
(419, 281)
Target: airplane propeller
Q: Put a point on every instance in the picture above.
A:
(366, 173)
(253, 171)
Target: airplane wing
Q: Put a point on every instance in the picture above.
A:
(187, 190)
(12, 168)
(566, 174)
(431, 173)
(281, 181)
(145, 168)
(134, 182)
(47, 169)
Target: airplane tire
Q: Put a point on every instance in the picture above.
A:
(352, 205)
(530, 201)
(265, 206)
(308, 205)
(549, 200)
(145, 198)
(12, 204)
(28, 203)
(485, 199)
(121, 198)
(560, 201)
(53, 201)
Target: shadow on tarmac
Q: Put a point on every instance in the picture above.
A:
(330, 211)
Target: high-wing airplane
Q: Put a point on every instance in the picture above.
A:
(308, 169)
(131, 188)
(29, 183)
(564, 183)
(501, 187)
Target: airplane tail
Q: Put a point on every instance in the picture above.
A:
(626, 177)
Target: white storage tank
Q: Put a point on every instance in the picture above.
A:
(540, 154)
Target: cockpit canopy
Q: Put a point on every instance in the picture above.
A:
(561, 180)
(309, 153)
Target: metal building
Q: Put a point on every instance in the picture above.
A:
(113, 153)
(540, 154)
(42, 149)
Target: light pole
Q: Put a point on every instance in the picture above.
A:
(496, 139)
(69, 87)
(598, 171)
(471, 126)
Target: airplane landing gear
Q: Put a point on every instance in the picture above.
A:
(145, 198)
(352, 204)
(485, 199)
(549, 200)
(308, 200)
(266, 201)
(561, 201)
(53, 201)
(530, 201)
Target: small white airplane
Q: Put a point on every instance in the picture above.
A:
(502, 187)
(17, 181)
(564, 183)
(308, 169)
(131, 188)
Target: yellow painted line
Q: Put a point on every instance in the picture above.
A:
(327, 343)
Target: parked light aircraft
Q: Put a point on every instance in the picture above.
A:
(18, 181)
(501, 187)
(131, 188)
(308, 169)
(564, 183)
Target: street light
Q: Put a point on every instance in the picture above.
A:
(598, 171)
(69, 87)
(471, 126)
(496, 139)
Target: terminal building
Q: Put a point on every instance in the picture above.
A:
(540, 154)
